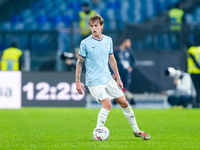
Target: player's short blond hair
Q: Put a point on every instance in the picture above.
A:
(96, 17)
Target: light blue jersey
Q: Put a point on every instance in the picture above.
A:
(96, 54)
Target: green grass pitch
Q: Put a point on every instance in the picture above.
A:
(71, 128)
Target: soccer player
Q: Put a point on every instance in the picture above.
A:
(97, 51)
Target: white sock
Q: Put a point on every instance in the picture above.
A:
(129, 114)
(102, 116)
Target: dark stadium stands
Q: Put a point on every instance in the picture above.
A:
(50, 14)
(46, 28)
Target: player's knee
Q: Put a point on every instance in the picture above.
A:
(124, 104)
(107, 106)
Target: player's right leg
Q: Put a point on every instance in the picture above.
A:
(99, 93)
(103, 113)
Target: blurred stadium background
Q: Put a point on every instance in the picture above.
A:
(46, 28)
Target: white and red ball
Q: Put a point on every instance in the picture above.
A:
(101, 133)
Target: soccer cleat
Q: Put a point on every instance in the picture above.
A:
(143, 135)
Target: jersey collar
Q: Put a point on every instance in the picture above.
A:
(97, 39)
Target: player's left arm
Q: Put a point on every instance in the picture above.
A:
(113, 65)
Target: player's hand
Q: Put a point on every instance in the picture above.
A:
(119, 82)
(79, 88)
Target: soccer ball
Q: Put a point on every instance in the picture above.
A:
(101, 133)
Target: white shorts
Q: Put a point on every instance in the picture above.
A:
(109, 90)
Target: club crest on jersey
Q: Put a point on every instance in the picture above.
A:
(106, 44)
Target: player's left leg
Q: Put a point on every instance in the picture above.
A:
(115, 91)
(129, 114)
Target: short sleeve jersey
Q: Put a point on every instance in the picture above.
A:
(96, 53)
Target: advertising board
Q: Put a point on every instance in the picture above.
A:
(10, 89)
(51, 89)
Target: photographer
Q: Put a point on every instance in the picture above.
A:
(70, 59)
(184, 91)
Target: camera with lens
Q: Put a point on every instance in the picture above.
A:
(67, 55)
(172, 72)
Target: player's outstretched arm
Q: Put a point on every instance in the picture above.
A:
(113, 65)
(79, 85)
